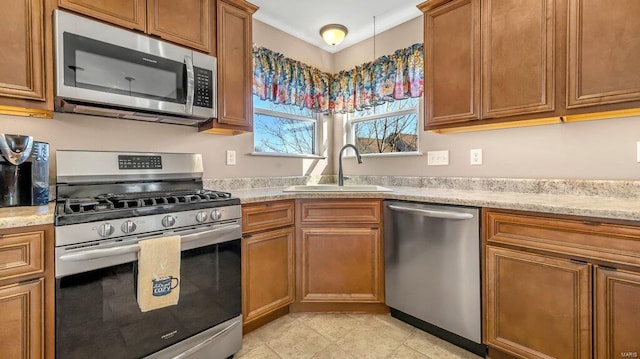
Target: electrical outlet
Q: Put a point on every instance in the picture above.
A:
(231, 158)
(476, 156)
(438, 158)
(638, 153)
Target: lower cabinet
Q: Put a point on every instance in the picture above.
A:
(617, 309)
(22, 320)
(340, 265)
(267, 261)
(268, 272)
(560, 286)
(339, 260)
(26, 292)
(537, 306)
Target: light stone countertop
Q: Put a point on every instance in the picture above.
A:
(11, 217)
(579, 205)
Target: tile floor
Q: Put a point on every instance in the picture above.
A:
(345, 336)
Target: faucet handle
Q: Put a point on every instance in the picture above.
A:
(346, 177)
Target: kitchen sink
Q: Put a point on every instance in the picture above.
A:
(336, 188)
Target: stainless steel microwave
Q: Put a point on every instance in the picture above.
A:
(107, 71)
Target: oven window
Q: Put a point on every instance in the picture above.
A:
(104, 67)
(97, 314)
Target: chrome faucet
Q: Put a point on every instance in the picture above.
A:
(340, 174)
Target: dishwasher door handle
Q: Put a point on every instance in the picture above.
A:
(432, 213)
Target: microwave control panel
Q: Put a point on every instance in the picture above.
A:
(203, 84)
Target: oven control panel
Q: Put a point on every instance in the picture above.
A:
(128, 162)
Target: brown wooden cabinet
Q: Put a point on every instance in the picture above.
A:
(26, 292)
(339, 255)
(267, 261)
(548, 277)
(537, 306)
(452, 76)
(603, 51)
(617, 320)
(235, 74)
(23, 76)
(186, 22)
(488, 59)
(22, 320)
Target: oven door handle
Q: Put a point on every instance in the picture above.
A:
(133, 248)
(100, 253)
(197, 235)
(205, 342)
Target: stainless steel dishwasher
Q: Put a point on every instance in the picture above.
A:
(432, 269)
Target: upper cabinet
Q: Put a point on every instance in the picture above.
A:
(235, 106)
(131, 14)
(488, 60)
(603, 51)
(456, 22)
(518, 52)
(498, 61)
(22, 40)
(186, 22)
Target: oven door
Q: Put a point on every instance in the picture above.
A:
(97, 314)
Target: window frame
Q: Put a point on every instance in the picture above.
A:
(350, 132)
(317, 139)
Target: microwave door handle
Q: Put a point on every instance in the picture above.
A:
(190, 85)
(100, 253)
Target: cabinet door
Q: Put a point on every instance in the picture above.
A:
(617, 314)
(604, 47)
(22, 320)
(127, 13)
(452, 63)
(340, 265)
(235, 106)
(186, 22)
(537, 306)
(268, 270)
(22, 44)
(518, 50)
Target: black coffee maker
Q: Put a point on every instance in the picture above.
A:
(24, 171)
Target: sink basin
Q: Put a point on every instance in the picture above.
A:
(336, 188)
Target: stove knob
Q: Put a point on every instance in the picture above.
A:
(201, 216)
(128, 226)
(168, 221)
(216, 215)
(105, 230)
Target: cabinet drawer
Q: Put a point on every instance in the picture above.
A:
(259, 216)
(339, 211)
(589, 239)
(21, 254)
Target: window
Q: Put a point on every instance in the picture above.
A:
(388, 128)
(283, 129)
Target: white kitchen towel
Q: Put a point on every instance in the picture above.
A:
(158, 273)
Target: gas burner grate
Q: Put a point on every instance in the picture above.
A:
(110, 201)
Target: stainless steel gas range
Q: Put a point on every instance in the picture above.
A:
(107, 202)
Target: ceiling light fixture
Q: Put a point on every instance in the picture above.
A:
(333, 34)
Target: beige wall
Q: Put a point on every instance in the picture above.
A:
(604, 149)
(597, 149)
(81, 132)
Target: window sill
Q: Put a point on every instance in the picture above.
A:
(289, 155)
(390, 154)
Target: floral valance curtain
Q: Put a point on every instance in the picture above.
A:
(285, 81)
(387, 78)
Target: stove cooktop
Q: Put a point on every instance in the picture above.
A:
(114, 206)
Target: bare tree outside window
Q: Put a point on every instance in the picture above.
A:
(389, 128)
(283, 129)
